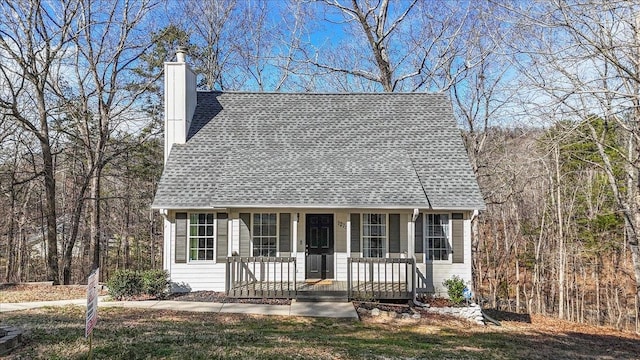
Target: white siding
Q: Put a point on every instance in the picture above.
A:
(341, 266)
(195, 277)
(437, 272)
(211, 276)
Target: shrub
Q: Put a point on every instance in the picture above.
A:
(455, 288)
(155, 282)
(124, 284)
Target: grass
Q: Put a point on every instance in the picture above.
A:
(24, 292)
(58, 333)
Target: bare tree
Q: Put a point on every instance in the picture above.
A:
(33, 39)
(112, 38)
(585, 62)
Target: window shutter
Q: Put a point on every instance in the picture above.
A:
(180, 244)
(355, 233)
(222, 237)
(285, 232)
(419, 243)
(245, 234)
(394, 233)
(457, 237)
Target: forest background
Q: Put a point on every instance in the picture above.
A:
(547, 95)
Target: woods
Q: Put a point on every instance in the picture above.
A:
(547, 96)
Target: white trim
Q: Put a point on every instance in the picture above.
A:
(348, 237)
(215, 239)
(426, 258)
(229, 235)
(335, 253)
(386, 234)
(294, 234)
(411, 239)
(251, 232)
(305, 206)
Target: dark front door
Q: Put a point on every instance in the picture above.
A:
(319, 246)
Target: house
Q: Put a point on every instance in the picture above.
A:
(281, 194)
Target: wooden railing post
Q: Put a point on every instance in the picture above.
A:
(414, 277)
(349, 262)
(227, 280)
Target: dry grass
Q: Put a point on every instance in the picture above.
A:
(25, 293)
(137, 333)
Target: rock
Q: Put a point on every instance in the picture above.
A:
(415, 316)
(405, 316)
(375, 312)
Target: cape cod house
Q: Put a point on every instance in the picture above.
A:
(294, 194)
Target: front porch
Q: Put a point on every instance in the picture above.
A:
(276, 277)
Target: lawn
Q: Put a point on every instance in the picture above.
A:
(26, 292)
(58, 333)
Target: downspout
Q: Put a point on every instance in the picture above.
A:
(416, 213)
(165, 216)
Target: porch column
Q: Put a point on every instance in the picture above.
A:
(411, 234)
(411, 228)
(348, 236)
(294, 238)
(230, 238)
(235, 235)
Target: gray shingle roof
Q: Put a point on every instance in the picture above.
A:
(320, 150)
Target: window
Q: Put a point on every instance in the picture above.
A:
(374, 235)
(437, 236)
(201, 237)
(265, 234)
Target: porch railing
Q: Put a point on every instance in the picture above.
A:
(381, 278)
(261, 277)
(422, 285)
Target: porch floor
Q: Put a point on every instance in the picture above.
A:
(319, 289)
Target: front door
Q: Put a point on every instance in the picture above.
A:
(319, 246)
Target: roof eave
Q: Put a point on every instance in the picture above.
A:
(316, 206)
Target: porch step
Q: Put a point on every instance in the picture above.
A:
(322, 296)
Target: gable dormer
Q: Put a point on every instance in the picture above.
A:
(179, 101)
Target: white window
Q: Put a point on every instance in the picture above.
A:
(201, 237)
(374, 235)
(265, 234)
(437, 236)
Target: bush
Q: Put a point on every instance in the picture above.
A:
(155, 282)
(455, 288)
(124, 284)
(128, 283)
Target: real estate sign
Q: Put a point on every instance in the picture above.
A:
(92, 302)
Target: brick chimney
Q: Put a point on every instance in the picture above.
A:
(179, 100)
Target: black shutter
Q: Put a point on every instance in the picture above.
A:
(419, 235)
(355, 232)
(245, 234)
(285, 232)
(394, 233)
(180, 244)
(222, 237)
(457, 237)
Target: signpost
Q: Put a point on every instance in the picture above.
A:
(92, 307)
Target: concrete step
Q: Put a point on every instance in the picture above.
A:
(322, 296)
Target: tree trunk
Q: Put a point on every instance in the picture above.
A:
(10, 271)
(95, 226)
(50, 211)
(561, 246)
(67, 256)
